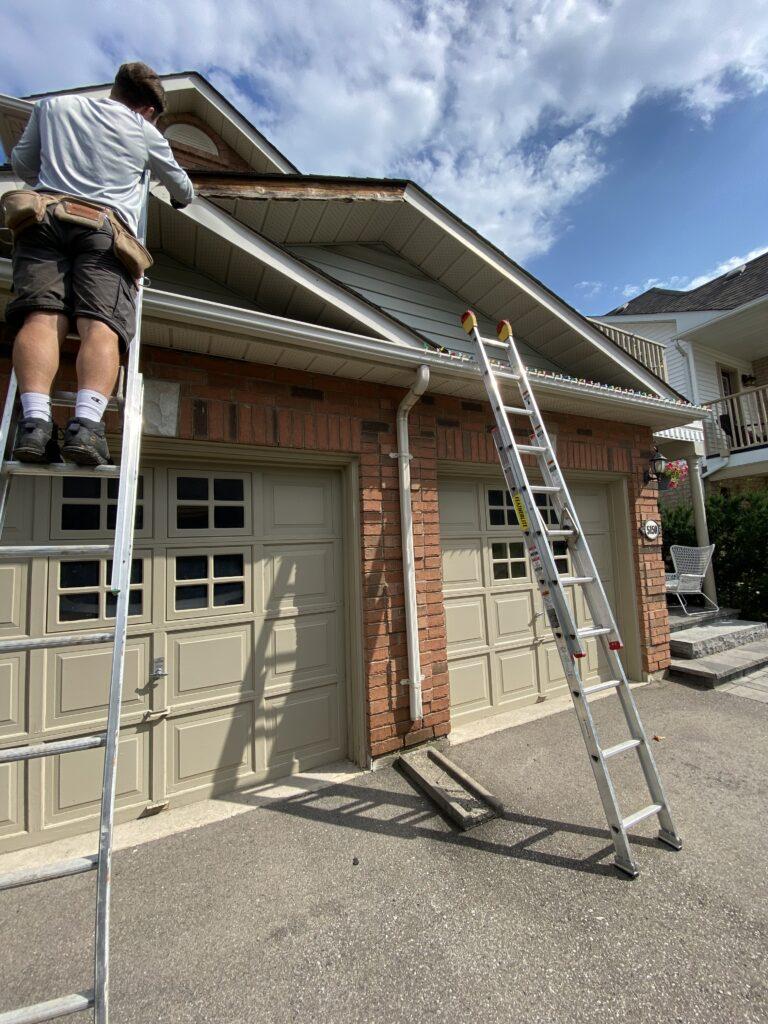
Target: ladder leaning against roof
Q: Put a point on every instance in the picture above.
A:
(121, 554)
(553, 586)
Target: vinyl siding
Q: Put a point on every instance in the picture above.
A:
(168, 275)
(403, 291)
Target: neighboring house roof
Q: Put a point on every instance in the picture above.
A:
(743, 284)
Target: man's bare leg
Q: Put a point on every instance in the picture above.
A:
(36, 351)
(98, 360)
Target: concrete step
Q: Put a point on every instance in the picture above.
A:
(715, 637)
(679, 620)
(715, 669)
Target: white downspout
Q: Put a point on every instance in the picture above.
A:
(403, 456)
(686, 349)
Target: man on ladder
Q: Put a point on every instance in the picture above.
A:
(75, 256)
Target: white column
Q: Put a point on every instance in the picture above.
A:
(700, 518)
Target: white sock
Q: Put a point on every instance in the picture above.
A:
(90, 405)
(35, 405)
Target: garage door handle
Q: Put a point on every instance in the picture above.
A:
(156, 716)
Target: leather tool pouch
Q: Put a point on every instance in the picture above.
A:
(129, 250)
(21, 208)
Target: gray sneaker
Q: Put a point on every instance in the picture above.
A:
(85, 443)
(36, 441)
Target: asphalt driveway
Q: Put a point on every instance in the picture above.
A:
(358, 903)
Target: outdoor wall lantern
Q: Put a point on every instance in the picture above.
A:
(657, 464)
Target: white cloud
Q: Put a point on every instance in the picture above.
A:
(459, 94)
(589, 289)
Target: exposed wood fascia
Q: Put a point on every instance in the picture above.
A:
(225, 188)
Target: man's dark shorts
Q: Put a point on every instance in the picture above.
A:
(59, 267)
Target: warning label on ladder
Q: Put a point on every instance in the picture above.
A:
(520, 512)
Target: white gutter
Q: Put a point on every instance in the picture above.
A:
(403, 457)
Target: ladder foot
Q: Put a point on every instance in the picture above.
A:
(670, 839)
(626, 867)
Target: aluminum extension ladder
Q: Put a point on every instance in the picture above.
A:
(553, 586)
(121, 552)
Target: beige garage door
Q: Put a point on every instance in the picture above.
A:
(234, 666)
(501, 654)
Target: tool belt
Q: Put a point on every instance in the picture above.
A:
(22, 208)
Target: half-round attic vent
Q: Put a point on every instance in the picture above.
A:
(189, 135)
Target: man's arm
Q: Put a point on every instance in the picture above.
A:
(162, 164)
(25, 155)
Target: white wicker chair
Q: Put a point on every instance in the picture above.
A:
(691, 566)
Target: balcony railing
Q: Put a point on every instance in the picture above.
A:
(738, 422)
(649, 353)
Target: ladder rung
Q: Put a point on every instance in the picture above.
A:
(560, 533)
(60, 869)
(57, 469)
(68, 399)
(40, 643)
(51, 1010)
(572, 581)
(544, 489)
(514, 411)
(53, 551)
(638, 816)
(490, 343)
(621, 748)
(27, 753)
(593, 631)
(532, 449)
(610, 684)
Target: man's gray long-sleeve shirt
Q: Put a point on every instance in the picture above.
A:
(96, 149)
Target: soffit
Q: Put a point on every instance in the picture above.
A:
(292, 214)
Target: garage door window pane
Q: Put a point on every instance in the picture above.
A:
(191, 567)
(80, 487)
(192, 597)
(227, 490)
(135, 604)
(228, 517)
(78, 574)
(560, 550)
(227, 565)
(500, 571)
(77, 607)
(192, 488)
(228, 593)
(80, 517)
(192, 517)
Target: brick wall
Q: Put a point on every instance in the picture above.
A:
(243, 403)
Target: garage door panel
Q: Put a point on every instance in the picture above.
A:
(210, 748)
(13, 696)
(513, 617)
(470, 685)
(13, 604)
(459, 509)
(299, 576)
(19, 519)
(301, 652)
(517, 675)
(465, 623)
(551, 674)
(206, 665)
(77, 682)
(462, 564)
(299, 505)
(12, 799)
(303, 726)
(72, 782)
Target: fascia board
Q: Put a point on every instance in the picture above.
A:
(436, 213)
(209, 216)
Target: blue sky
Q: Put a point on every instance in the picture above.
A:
(604, 144)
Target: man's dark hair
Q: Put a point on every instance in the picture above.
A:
(137, 85)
